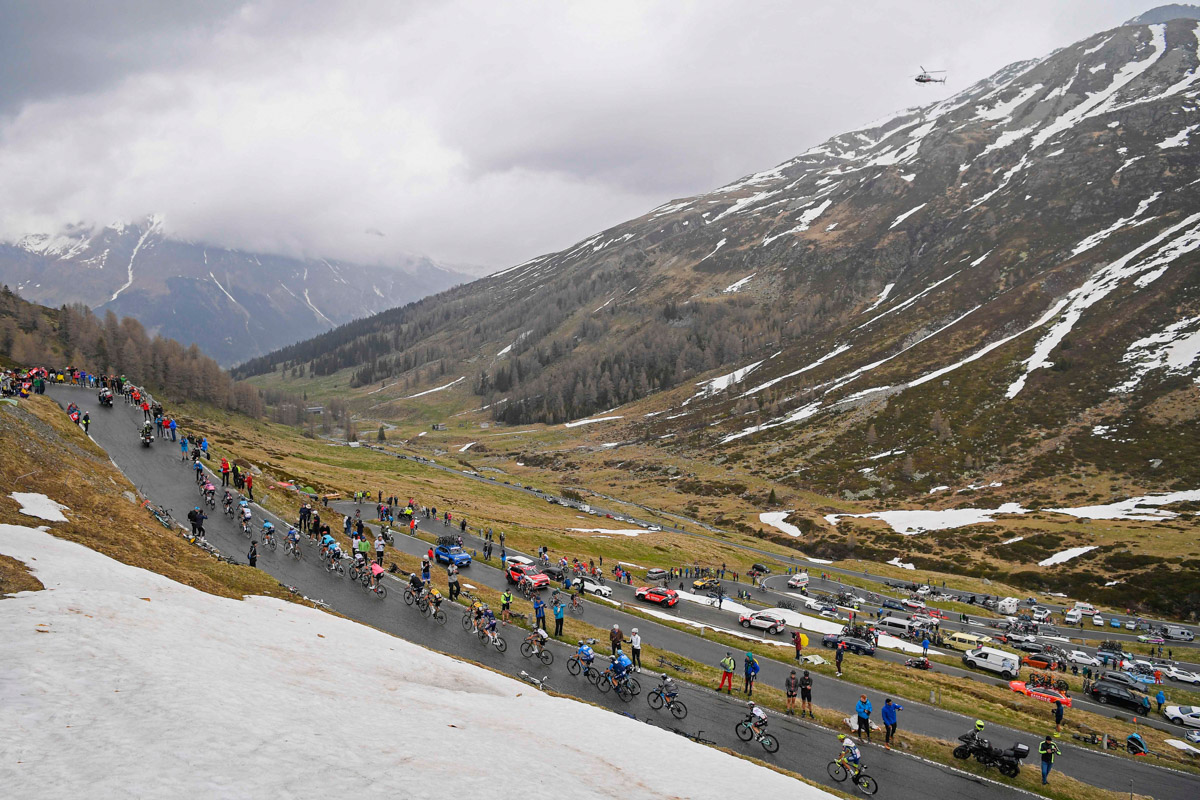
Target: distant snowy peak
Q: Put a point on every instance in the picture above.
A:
(1166, 14)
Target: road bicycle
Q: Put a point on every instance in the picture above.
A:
(494, 639)
(378, 589)
(292, 549)
(839, 771)
(335, 568)
(268, 538)
(696, 737)
(745, 732)
(538, 682)
(163, 515)
(435, 611)
(357, 571)
(666, 662)
(658, 698)
(531, 647)
(623, 687)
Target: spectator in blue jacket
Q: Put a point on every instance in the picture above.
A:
(750, 668)
(888, 715)
(863, 708)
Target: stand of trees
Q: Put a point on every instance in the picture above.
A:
(73, 336)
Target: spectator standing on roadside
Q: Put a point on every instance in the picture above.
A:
(863, 709)
(798, 642)
(1047, 750)
(250, 485)
(727, 667)
(750, 670)
(791, 687)
(173, 426)
(1058, 716)
(925, 647)
(839, 654)
(539, 611)
(615, 637)
(806, 695)
(183, 454)
(1160, 698)
(888, 715)
(379, 547)
(452, 580)
(252, 556)
(558, 622)
(635, 645)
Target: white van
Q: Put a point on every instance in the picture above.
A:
(1086, 609)
(1073, 616)
(1178, 633)
(1008, 605)
(894, 626)
(989, 658)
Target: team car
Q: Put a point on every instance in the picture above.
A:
(446, 555)
(706, 585)
(1040, 693)
(657, 594)
(519, 572)
(763, 620)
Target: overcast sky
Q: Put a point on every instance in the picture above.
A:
(477, 132)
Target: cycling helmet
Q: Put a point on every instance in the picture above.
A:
(749, 704)
(978, 724)
(635, 630)
(581, 642)
(841, 737)
(664, 676)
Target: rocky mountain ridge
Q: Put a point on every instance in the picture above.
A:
(234, 305)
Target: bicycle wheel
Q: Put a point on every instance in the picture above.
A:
(743, 731)
(655, 699)
(440, 616)
(546, 657)
(624, 692)
(573, 666)
(340, 570)
(837, 771)
(501, 645)
(381, 590)
(273, 544)
(353, 573)
(526, 649)
(770, 743)
(592, 675)
(423, 604)
(678, 709)
(867, 784)
(408, 601)
(603, 684)
(634, 685)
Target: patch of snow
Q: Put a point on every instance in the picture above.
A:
(910, 300)
(1175, 349)
(884, 454)
(883, 296)
(1065, 556)
(803, 222)
(736, 286)
(1100, 285)
(1004, 109)
(831, 354)
(606, 302)
(436, 388)
(1100, 236)
(621, 531)
(817, 560)
(720, 244)
(38, 505)
(937, 489)
(906, 215)
(1178, 140)
(982, 258)
(896, 562)
(577, 423)
(109, 627)
(1133, 508)
(1101, 68)
(466, 447)
(830, 226)
(1013, 540)
(776, 520)
(908, 178)
(912, 522)
(1091, 50)
(723, 382)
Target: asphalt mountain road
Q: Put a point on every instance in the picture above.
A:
(805, 748)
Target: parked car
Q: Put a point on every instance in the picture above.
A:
(1151, 638)
(1123, 679)
(1098, 621)
(655, 574)
(445, 555)
(892, 604)
(656, 594)
(1188, 716)
(1082, 659)
(1175, 673)
(706, 585)
(517, 572)
(763, 620)
(860, 647)
(1040, 661)
(761, 569)
(1107, 693)
(592, 586)
(1040, 693)
(1029, 645)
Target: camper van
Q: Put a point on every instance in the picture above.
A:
(1073, 616)
(1008, 606)
(1086, 609)
(1177, 633)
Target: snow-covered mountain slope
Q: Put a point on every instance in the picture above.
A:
(119, 682)
(994, 255)
(235, 305)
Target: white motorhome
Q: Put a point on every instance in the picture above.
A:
(1008, 605)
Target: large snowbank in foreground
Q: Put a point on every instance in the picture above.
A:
(121, 683)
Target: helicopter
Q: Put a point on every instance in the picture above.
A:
(926, 76)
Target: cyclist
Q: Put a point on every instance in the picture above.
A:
(335, 555)
(198, 467)
(585, 653)
(327, 541)
(376, 575)
(293, 537)
(758, 719)
(477, 618)
(247, 515)
(210, 493)
(538, 639)
(490, 625)
(227, 502)
(669, 689)
(621, 667)
(416, 584)
(435, 597)
(267, 532)
(849, 757)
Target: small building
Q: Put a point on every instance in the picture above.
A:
(439, 426)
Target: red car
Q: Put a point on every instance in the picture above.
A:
(1040, 661)
(518, 572)
(1040, 693)
(657, 594)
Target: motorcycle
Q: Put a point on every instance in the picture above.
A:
(918, 663)
(1008, 761)
(105, 397)
(147, 437)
